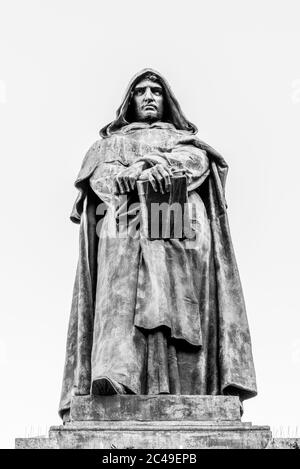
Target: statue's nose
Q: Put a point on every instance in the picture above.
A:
(148, 94)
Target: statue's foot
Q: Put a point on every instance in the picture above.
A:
(107, 387)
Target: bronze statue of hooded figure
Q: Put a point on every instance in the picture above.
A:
(155, 316)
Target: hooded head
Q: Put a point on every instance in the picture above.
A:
(126, 113)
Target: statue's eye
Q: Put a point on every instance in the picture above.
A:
(139, 91)
(157, 92)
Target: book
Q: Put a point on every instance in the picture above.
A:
(163, 215)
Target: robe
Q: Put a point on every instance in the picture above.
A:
(156, 316)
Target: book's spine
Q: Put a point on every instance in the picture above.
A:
(142, 187)
(178, 196)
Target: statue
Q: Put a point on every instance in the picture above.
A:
(154, 316)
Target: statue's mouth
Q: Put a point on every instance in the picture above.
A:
(149, 107)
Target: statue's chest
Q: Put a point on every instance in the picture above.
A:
(146, 141)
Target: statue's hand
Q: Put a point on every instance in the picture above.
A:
(125, 180)
(159, 176)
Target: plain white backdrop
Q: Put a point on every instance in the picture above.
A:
(64, 66)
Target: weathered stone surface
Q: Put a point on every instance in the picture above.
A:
(148, 436)
(153, 422)
(284, 443)
(36, 443)
(155, 407)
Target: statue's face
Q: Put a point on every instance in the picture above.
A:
(148, 101)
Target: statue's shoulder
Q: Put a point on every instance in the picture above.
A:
(98, 152)
(205, 147)
(93, 152)
(90, 161)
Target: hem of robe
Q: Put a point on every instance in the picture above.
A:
(247, 393)
(115, 381)
(107, 386)
(171, 334)
(63, 410)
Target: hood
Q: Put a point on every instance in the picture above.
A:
(173, 113)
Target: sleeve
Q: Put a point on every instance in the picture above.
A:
(190, 159)
(101, 180)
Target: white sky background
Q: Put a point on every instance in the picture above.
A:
(64, 66)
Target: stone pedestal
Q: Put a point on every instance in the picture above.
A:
(153, 422)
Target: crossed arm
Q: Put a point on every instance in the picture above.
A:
(112, 177)
(159, 176)
(159, 167)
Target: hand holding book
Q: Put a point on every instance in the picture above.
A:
(125, 180)
(159, 177)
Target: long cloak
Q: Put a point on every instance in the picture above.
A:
(223, 362)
